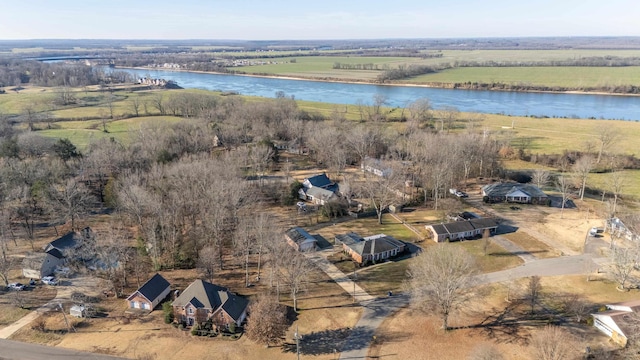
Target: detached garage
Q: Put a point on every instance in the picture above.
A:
(149, 294)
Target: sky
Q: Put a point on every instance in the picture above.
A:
(314, 19)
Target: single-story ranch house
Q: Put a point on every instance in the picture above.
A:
(370, 249)
(619, 321)
(150, 293)
(203, 301)
(514, 193)
(459, 230)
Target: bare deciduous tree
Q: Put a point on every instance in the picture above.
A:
(208, 262)
(294, 273)
(563, 185)
(553, 343)
(607, 135)
(267, 321)
(382, 191)
(623, 261)
(533, 291)
(582, 168)
(73, 199)
(540, 177)
(440, 280)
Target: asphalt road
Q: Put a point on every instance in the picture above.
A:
(15, 350)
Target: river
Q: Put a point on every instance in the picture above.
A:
(491, 102)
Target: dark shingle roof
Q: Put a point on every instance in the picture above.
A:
(55, 253)
(321, 180)
(348, 239)
(502, 189)
(299, 235)
(371, 245)
(153, 287)
(206, 295)
(464, 226)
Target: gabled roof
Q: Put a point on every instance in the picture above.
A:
(202, 294)
(153, 288)
(320, 180)
(373, 244)
(70, 240)
(320, 193)
(55, 253)
(503, 189)
(457, 227)
(299, 236)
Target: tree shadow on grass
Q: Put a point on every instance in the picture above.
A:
(325, 342)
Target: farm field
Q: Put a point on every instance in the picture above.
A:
(560, 76)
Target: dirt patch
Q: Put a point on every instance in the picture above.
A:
(532, 245)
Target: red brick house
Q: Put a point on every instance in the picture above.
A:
(370, 249)
(202, 301)
(149, 295)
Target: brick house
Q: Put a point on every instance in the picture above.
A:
(202, 301)
(150, 294)
(370, 249)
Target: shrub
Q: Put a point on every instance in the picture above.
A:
(167, 309)
(195, 330)
(232, 328)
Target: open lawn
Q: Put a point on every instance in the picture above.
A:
(532, 245)
(565, 76)
(497, 257)
(82, 133)
(412, 334)
(365, 227)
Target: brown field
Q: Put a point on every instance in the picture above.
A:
(411, 334)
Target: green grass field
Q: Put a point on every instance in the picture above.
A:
(82, 133)
(567, 76)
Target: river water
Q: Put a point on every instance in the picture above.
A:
(492, 102)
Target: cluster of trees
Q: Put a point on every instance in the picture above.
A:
(405, 71)
(369, 66)
(14, 72)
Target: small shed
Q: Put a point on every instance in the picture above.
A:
(78, 311)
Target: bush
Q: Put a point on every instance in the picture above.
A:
(195, 330)
(167, 309)
(232, 328)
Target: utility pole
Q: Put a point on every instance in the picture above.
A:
(69, 328)
(355, 277)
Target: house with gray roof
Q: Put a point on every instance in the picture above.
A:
(202, 301)
(318, 189)
(150, 294)
(69, 244)
(300, 239)
(460, 230)
(514, 193)
(370, 249)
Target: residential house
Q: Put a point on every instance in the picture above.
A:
(376, 166)
(71, 243)
(370, 249)
(617, 228)
(514, 193)
(318, 189)
(203, 301)
(459, 230)
(39, 265)
(150, 293)
(619, 321)
(301, 240)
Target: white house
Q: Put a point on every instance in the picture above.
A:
(620, 320)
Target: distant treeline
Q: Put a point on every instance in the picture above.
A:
(500, 86)
(595, 61)
(18, 72)
(404, 71)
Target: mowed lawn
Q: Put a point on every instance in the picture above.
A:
(565, 76)
(82, 133)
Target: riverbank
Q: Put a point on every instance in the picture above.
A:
(451, 86)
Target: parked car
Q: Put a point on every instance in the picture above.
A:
(16, 286)
(50, 280)
(461, 194)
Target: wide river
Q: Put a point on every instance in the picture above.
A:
(493, 102)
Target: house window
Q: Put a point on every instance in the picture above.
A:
(190, 311)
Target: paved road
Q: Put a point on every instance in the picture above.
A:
(15, 350)
(83, 284)
(359, 341)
